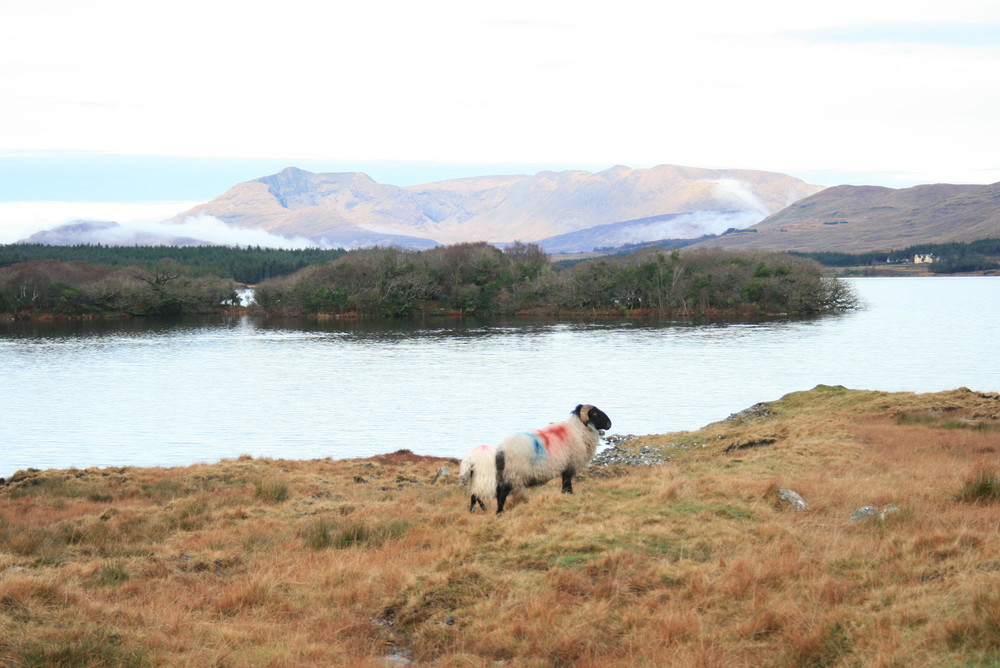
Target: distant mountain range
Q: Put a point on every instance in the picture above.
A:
(561, 211)
(866, 218)
(569, 211)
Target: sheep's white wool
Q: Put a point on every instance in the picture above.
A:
(478, 472)
(539, 456)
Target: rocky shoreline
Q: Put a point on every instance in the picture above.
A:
(617, 454)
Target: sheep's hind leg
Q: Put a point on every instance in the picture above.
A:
(472, 503)
(567, 479)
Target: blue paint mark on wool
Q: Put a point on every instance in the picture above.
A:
(540, 450)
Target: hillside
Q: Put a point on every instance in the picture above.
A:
(664, 201)
(867, 218)
(696, 561)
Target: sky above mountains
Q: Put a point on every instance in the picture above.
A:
(142, 105)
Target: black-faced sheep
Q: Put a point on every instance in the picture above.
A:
(561, 449)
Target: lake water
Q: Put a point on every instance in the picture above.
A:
(141, 392)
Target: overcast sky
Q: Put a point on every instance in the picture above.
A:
(128, 103)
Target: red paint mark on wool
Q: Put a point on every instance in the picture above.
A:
(554, 437)
(478, 448)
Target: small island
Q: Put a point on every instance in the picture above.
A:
(461, 279)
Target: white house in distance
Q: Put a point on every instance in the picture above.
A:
(923, 258)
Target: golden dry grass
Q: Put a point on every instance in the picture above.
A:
(695, 562)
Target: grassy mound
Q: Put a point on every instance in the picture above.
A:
(696, 561)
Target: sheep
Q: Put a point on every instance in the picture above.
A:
(478, 472)
(561, 449)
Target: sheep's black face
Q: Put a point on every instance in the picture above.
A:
(597, 417)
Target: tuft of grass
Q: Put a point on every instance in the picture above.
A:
(322, 533)
(270, 490)
(369, 534)
(938, 422)
(983, 486)
(318, 535)
(109, 575)
(826, 645)
(93, 648)
(979, 627)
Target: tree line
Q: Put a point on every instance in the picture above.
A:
(245, 265)
(950, 258)
(55, 287)
(465, 278)
(480, 278)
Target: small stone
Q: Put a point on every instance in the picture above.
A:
(864, 513)
(399, 658)
(793, 498)
(871, 512)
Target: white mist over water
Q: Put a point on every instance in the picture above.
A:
(19, 220)
(145, 392)
(141, 231)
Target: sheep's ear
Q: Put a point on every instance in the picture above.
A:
(580, 413)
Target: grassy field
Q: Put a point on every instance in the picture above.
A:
(693, 562)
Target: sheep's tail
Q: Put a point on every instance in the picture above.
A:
(478, 471)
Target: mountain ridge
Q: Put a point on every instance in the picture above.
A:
(570, 211)
(850, 218)
(499, 208)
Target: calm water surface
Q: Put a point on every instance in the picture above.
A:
(138, 392)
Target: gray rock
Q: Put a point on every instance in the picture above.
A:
(616, 455)
(400, 657)
(756, 412)
(871, 512)
(864, 513)
(792, 497)
(442, 472)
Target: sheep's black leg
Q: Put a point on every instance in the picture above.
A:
(567, 478)
(481, 504)
(472, 503)
(503, 489)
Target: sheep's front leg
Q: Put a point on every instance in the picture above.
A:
(567, 478)
(472, 503)
(503, 489)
